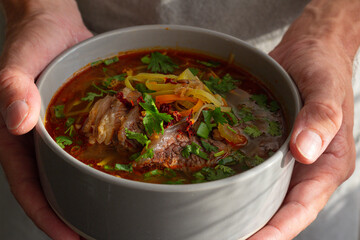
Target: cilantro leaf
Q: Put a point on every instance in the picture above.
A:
(194, 148)
(274, 128)
(218, 116)
(219, 172)
(123, 167)
(194, 71)
(234, 158)
(90, 96)
(220, 86)
(70, 121)
(208, 147)
(153, 120)
(160, 63)
(259, 99)
(274, 106)
(245, 114)
(179, 181)
(254, 161)
(149, 153)
(155, 172)
(108, 82)
(252, 131)
(63, 141)
(141, 138)
(59, 111)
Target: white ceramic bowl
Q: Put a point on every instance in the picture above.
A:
(100, 206)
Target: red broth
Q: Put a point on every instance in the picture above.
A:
(257, 131)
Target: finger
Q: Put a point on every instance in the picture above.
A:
(311, 187)
(300, 208)
(21, 173)
(322, 87)
(19, 100)
(27, 51)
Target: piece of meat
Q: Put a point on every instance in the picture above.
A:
(106, 116)
(133, 122)
(167, 151)
(103, 120)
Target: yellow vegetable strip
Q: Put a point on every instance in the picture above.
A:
(128, 84)
(193, 110)
(104, 162)
(159, 86)
(204, 96)
(162, 93)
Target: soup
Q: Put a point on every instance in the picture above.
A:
(166, 116)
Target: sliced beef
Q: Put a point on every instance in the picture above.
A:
(133, 122)
(103, 120)
(106, 117)
(167, 151)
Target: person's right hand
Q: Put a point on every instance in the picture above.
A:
(37, 31)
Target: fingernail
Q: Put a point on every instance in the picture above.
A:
(16, 113)
(309, 144)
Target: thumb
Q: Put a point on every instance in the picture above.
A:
(19, 100)
(322, 79)
(314, 128)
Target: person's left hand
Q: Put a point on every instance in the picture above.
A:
(322, 139)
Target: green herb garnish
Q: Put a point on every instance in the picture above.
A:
(63, 141)
(203, 130)
(194, 149)
(259, 99)
(153, 120)
(149, 153)
(221, 86)
(208, 147)
(252, 131)
(274, 128)
(90, 96)
(219, 172)
(93, 64)
(245, 114)
(108, 82)
(59, 111)
(155, 172)
(274, 106)
(141, 138)
(159, 62)
(70, 131)
(70, 121)
(109, 61)
(194, 71)
(123, 167)
(218, 154)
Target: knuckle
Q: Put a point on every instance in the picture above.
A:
(328, 114)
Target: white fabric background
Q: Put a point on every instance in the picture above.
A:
(261, 23)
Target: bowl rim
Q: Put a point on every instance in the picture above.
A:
(40, 128)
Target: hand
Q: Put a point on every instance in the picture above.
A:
(322, 140)
(37, 31)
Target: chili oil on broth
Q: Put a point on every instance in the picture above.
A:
(250, 103)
